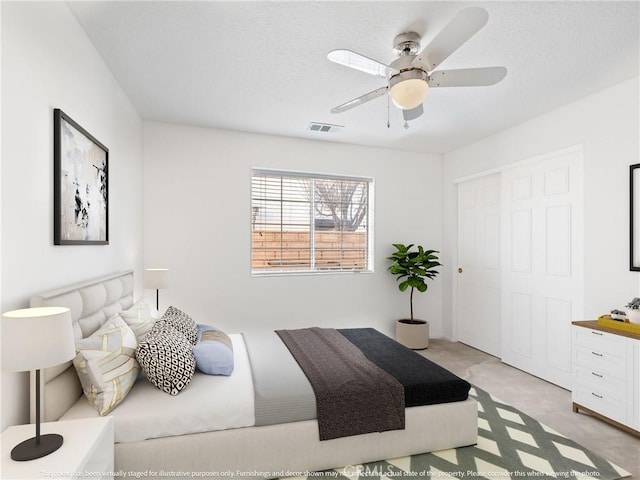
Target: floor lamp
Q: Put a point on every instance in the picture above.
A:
(33, 339)
(156, 279)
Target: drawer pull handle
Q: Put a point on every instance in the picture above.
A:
(597, 354)
(596, 333)
(596, 395)
(596, 374)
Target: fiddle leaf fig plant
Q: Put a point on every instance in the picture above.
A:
(413, 268)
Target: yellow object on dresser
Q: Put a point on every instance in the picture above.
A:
(607, 321)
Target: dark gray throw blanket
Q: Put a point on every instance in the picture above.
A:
(353, 395)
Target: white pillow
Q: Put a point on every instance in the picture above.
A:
(141, 317)
(106, 364)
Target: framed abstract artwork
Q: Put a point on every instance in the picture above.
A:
(81, 185)
(634, 221)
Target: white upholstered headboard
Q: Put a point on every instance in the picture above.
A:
(92, 303)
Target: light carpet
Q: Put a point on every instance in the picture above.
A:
(511, 445)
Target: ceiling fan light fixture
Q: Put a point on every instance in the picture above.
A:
(409, 88)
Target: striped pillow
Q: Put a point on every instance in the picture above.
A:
(106, 364)
(213, 352)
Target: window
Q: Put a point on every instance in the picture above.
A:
(310, 223)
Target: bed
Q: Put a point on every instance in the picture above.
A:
(239, 447)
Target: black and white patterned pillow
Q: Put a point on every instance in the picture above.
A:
(166, 358)
(182, 322)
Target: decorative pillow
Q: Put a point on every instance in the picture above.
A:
(106, 364)
(213, 351)
(140, 317)
(166, 358)
(180, 321)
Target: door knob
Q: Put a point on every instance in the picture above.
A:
(459, 269)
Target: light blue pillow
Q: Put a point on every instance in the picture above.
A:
(213, 351)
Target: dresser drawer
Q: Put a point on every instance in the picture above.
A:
(590, 379)
(600, 362)
(601, 402)
(606, 374)
(601, 341)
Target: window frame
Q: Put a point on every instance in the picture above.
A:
(369, 219)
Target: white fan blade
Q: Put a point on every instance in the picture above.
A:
(360, 100)
(359, 62)
(413, 113)
(463, 26)
(467, 77)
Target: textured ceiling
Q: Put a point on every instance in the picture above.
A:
(262, 67)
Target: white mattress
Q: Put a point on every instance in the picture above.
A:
(208, 403)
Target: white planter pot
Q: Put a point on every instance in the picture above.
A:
(413, 333)
(633, 316)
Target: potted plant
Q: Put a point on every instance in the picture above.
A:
(633, 314)
(413, 268)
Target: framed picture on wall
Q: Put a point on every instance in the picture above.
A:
(81, 185)
(634, 224)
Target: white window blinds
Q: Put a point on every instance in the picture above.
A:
(308, 223)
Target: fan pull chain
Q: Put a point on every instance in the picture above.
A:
(388, 121)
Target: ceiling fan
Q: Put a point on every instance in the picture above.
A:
(410, 76)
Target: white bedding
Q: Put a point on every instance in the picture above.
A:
(291, 446)
(208, 403)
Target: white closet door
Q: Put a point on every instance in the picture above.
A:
(542, 265)
(478, 276)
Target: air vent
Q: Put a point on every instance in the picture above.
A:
(324, 127)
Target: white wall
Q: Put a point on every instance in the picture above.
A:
(607, 126)
(197, 224)
(48, 62)
(2, 425)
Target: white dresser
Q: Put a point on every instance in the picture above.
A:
(606, 374)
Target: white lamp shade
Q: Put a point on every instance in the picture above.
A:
(156, 278)
(409, 94)
(36, 338)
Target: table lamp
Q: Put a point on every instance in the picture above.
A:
(156, 279)
(33, 339)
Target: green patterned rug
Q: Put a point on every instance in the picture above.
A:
(511, 445)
